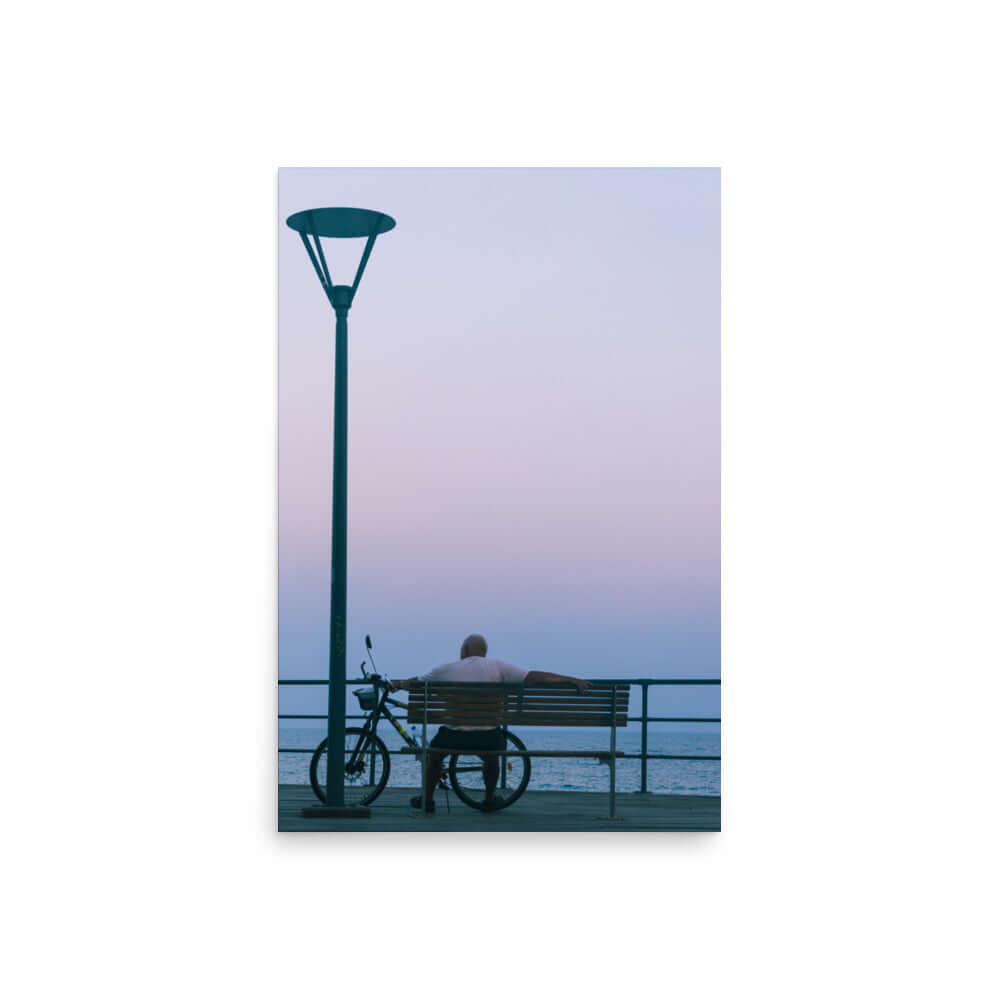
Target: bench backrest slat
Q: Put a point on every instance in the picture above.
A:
(451, 703)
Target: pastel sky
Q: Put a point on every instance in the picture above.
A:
(534, 420)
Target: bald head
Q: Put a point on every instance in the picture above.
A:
(474, 645)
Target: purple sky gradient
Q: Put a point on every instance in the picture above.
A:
(534, 421)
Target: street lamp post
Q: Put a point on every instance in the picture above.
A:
(339, 223)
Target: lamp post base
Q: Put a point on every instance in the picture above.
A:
(337, 812)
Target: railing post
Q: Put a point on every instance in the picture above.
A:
(423, 757)
(371, 770)
(614, 745)
(644, 750)
(503, 761)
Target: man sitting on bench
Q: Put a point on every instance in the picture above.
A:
(475, 667)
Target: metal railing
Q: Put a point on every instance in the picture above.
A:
(645, 718)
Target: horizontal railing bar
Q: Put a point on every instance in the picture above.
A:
(631, 718)
(669, 756)
(398, 718)
(653, 718)
(531, 753)
(667, 680)
(593, 680)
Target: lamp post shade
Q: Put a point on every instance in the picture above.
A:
(341, 223)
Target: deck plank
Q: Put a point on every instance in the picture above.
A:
(535, 811)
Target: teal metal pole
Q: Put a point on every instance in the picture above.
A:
(340, 298)
(645, 713)
(339, 223)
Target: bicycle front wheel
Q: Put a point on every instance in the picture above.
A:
(466, 772)
(366, 768)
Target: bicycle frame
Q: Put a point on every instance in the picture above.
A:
(380, 711)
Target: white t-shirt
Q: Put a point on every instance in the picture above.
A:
(477, 670)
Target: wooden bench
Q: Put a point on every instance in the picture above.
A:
(512, 705)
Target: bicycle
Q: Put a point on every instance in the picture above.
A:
(367, 761)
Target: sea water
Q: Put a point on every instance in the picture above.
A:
(674, 777)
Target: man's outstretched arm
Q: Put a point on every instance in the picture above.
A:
(543, 677)
(407, 684)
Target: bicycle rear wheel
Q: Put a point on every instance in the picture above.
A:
(466, 773)
(366, 768)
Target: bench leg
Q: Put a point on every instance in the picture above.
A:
(614, 754)
(614, 747)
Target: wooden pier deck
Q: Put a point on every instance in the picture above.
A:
(534, 812)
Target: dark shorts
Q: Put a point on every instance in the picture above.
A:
(469, 739)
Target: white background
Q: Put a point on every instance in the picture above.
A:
(860, 362)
